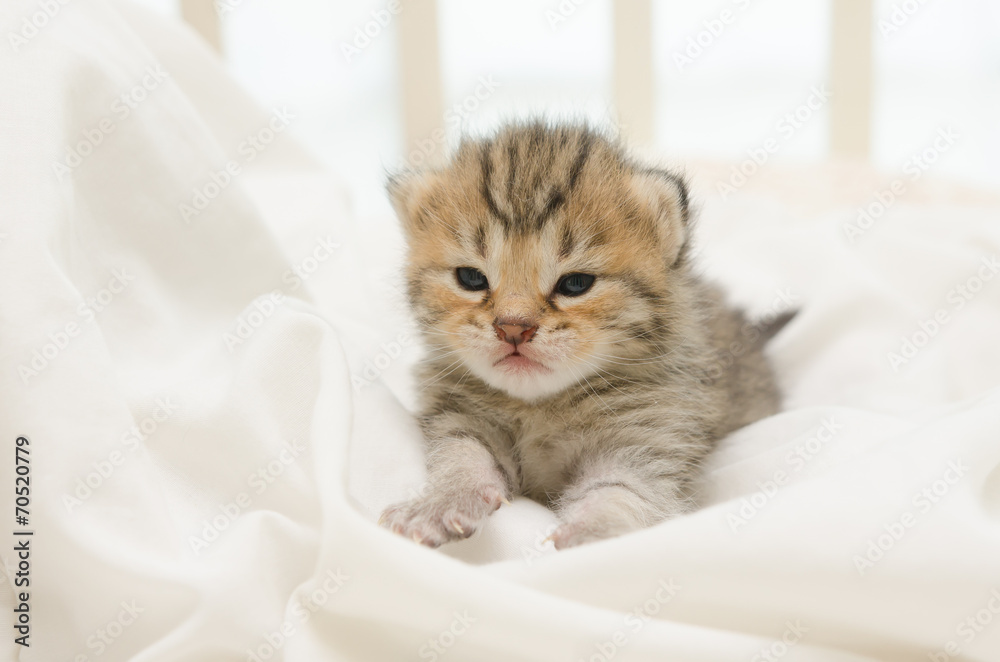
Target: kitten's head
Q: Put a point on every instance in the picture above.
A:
(542, 255)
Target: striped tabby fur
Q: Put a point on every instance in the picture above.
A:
(639, 377)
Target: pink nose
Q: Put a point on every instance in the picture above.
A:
(514, 332)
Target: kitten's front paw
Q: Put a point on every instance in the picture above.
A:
(437, 519)
(576, 533)
(603, 513)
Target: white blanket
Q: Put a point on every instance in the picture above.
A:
(208, 354)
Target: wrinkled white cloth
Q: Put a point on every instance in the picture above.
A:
(209, 356)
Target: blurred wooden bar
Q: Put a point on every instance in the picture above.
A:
(634, 81)
(634, 86)
(851, 79)
(203, 17)
(419, 70)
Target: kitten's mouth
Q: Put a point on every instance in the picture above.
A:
(519, 363)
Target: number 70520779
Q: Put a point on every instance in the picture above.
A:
(22, 482)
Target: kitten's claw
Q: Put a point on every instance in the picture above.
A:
(444, 516)
(505, 501)
(597, 520)
(571, 535)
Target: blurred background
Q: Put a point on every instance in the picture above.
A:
(721, 76)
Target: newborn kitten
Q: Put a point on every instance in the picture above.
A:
(575, 358)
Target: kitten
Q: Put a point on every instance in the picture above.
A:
(575, 358)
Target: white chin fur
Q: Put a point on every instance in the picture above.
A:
(531, 386)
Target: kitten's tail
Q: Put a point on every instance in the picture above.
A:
(771, 329)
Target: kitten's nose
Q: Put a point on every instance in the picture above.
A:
(514, 332)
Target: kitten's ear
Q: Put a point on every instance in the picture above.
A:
(664, 195)
(409, 192)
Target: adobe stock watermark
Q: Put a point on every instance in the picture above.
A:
(302, 609)
(376, 365)
(900, 15)
(929, 327)
(219, 180)
(924, 501)
(365, 34)
(785, 128)
(106, 636)
(634, 621)
(266, 305)
(225, 7)
(913, 168)
(796, 460)
(454, 118)
(779, 648)
(323, 249)
(969, 628)
(784, 302)
(19, 576)
(32, 25)
(252, 318)
(57, 341)
(713, 29)
(541, 545)
(89, 483)
(562, 13)
(438, 646)
(121, 109)
(230, 511)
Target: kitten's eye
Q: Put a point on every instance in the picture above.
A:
(471, 279)
(573, 285)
